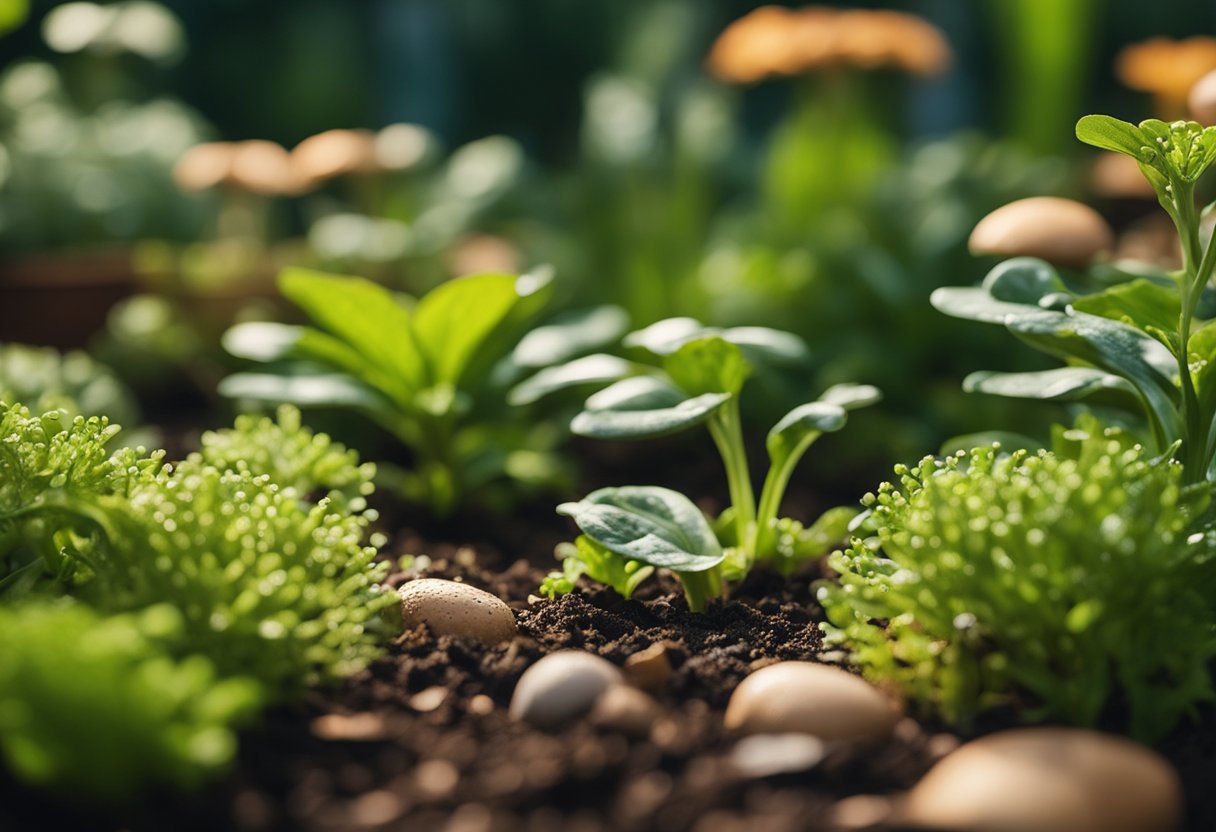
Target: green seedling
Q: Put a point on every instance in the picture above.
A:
(1143, 346)
(1069, 585)
(425, 371)
(630, 531)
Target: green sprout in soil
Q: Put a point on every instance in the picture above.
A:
(424, 371)
(1066, 584)
(234, 578)
(628, 532)
(1142, 346)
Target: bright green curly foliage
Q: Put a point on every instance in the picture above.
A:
(95, 701)
(45, 379)
(1065, 582)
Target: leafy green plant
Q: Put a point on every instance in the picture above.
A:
(269, 583)
(45, 379)
(629, 531)
(95, 702)
(424, 372)
(1143, 345)
(1069, 583)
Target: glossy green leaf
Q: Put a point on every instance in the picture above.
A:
(708, 365)
(1113, 134)
(453, 320)
(1062, 384)
(1023, 280)
(364, 315)
(767, 346)
(653, 525)
(1140, 303)
(636, 393)
(308, 390)
(851, 396)
(644, 424)
(975, 304)
(590, 369)
(261, 340)
(791, 436)
(570, 335)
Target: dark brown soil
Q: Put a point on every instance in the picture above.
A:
(422, 740)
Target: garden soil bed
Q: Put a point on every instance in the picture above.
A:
(422, 739)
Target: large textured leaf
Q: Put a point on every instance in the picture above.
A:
(590, 369)
(1111, 346)
(791, 436)
(362, 314)
(644, 424)
(653, 525)
(1062, 384)
(454, 319)
(1140, 303)
(707, 365)
(570, 335)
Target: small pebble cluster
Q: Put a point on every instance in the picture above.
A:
(786, 715)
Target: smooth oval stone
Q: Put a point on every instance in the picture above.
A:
(1047, 780)
(810, 698)
(1060, 231)
(626, 709)
(449, 608)
(562, 686)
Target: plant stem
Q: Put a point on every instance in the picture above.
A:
(726, 428)
(701, 587)
(1196, 269)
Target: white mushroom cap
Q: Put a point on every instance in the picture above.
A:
(1047, 780)
(1202, 99)
(1060, 231)
(204, 166)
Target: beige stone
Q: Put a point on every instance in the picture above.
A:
(562, 686)
(626, 709)
(449, 608)
(649, 669)
(810, 698)
(1059, 231)
(1047, 780)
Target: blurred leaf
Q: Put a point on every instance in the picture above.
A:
(975, 304)
(644, 424)
(569, 335)
(590, 369)
(708, 365)
(453, 319)
(1064, 384)
(312, 390)
(851, 396)
(261, 340)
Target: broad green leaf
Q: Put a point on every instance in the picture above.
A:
(791, 436)
(1202, 349)
(570, 335)
(261, 340)
(1114, 347)
(453, 320)
(1112, 134)
(599, 563)
(362, 314)
(767, 346)
(636, 393)
(1063, 384)
(646, 523)
(590, 369)
(644, 424)
(316, 390)
(851, 396)
(665, 336)
(1023, 280)
(976, 304)
(1140, 303)
(708, 365)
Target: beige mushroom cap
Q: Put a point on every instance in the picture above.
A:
(204, 166)
(1118, 175)
(1166, 67)
(263, 167)
(449, 608)
(402, 146)
(1201, 100)
(1047, 780)
(335, 153)
(1060, 231)
(810, 698)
